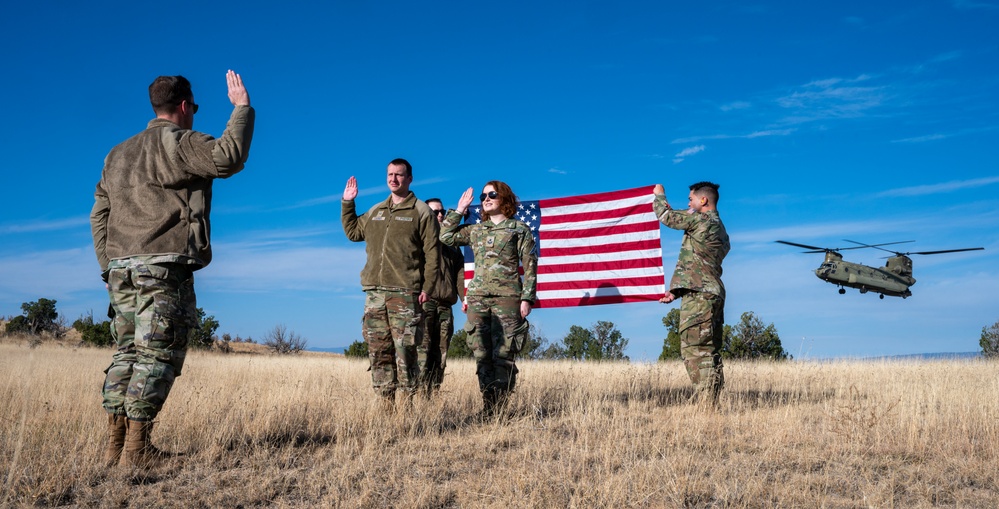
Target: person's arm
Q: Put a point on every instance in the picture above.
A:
(452, 233)
(429, 232)
(529, 261)
(353, 226)
(226, 156)
(99, 225)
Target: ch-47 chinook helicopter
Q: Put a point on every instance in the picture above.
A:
(894, 279)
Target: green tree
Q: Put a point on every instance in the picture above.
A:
(990, 341)
(601, 342)
(95, 334)
(750, 339)
(671, 345)
(459, 347)
(579, 344)
(282, 341)
(41, 316)
(203, 333)
(17, 325)
(357, 349)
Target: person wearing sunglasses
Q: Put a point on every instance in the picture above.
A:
(500, 244)
(150, 224)
(401, 241)
(438, 317)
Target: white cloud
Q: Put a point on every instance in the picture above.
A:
(689, 151)
(943, 187)
(44, 225)
(736, 105)
(754, 134)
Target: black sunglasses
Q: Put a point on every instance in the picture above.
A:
(438, 212)
(194, 107)
(490, 194)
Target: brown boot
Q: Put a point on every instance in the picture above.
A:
(116, 436)
(139, 450)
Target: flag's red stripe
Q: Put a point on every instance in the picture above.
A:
(592, 301)
(599, 214)
(599, 232)
(609, 283)
(596, 197)
(640, 263)
(618, 247)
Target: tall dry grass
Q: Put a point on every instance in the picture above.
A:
(306, 431)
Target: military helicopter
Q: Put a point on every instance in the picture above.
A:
(894, 279)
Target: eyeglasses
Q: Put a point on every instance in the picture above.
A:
(194, 107)
(439, 212)
(491, 195)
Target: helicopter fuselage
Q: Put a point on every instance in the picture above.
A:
(890, 280)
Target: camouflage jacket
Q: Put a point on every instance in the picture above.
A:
(705, 244)
(499, 249)
(401, 243)
(155, 193)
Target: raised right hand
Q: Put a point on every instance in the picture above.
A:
(465, 201)
(237, 92)
(350, 191)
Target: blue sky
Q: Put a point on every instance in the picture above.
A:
(850, 120)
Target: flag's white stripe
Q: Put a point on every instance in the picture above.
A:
(599, 292)
(599, 223)
(616, 238)
(597, 206)
(600, 275)
(656, 254)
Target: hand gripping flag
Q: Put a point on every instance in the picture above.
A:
(601, 248)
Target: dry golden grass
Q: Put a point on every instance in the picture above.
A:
(306, 432)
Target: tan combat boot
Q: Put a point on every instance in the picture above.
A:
(139, 450)
(116, 439)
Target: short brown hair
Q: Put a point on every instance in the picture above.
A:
(508, 200)
(167, 92)
(404, 163)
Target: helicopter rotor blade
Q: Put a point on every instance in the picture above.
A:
(947, 251)
(877, 246)
(795, 244)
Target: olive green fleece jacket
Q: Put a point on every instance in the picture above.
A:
(401, 243)
(155, 192)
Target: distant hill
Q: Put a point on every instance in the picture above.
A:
(333, 349)
(930, 356)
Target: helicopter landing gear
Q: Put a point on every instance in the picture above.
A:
(842, 291)
(882, 296)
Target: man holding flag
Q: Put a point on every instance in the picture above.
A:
(697, 281)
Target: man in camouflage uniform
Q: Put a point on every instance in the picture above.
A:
(697, 281)
(438, 318)
(150, 224)
(500, 245)
(400, 236)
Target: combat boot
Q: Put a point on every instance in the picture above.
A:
(488, 403)
(139, 450)
(116, 439)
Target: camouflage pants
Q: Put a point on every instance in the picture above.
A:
(438, 327)
(154, 310)
(392, 326)
(495, 354)
(701, 320)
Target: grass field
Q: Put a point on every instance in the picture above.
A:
(305, 431)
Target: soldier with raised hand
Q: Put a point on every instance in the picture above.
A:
(400, 236)
(150, 224)
(500, 245)
(697, 281)
(438, 316)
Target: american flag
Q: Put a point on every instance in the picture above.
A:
(601, 248)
